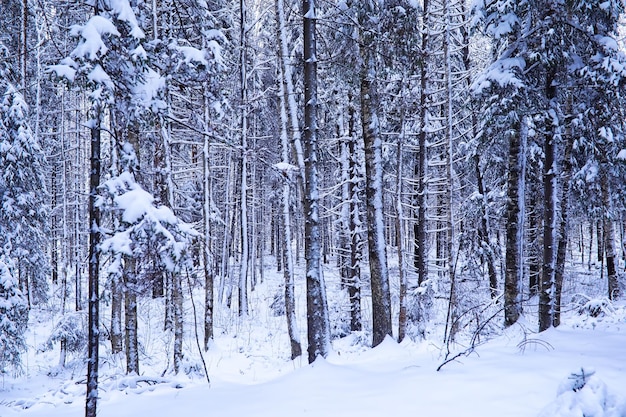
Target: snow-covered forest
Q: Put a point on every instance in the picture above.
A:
(196, 189)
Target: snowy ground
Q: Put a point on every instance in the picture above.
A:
(518, 373)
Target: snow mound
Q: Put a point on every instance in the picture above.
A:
(584, 395)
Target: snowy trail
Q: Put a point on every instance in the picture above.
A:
(499, 380)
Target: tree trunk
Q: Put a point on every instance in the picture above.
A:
(207, 258)
(354, 220)
(402, 314)
(512, 305)
(243, 266)
(420, 228)
(229, 230)
(600, 241)
(117, 294)
(609, 238)
(483, 231)
(93, 340)
(379, 275)
(318, 325)
(130, 316)
(177, 298)
(559, 270)
(453, 308)
(546, 287)
(534, 243)
(288, 273)
(24, 52)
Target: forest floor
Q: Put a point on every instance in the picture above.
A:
(516, 373)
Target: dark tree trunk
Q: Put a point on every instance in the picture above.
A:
(546, 287)
(318, 326)
(512, 305)
(534, 243)
(483, 231)
(609, 238)
(208, 300)
(93, 340)
(402, 312)
(600, 241)
(354, 272)
(379, 275)
(245, 250)
(559, 271)
(420, 228)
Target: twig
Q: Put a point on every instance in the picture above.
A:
(472, 346)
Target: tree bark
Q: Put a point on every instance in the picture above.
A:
(288, 272)
(420, 228)
(318, 326)
(483, 231)
(117, 294)
(177, 298)
(379, 275)
(546, 284)
(93, 340)
(534, 242)
(402, 314)
(354, 220)
(609, 238)
(243, 267)
(559, 271)
(130, 316)
(512, 305)
(207, 259)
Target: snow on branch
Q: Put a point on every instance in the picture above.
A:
(501, 72)
(145, 223)
(92, 45)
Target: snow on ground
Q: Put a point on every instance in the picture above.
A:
(519, 373)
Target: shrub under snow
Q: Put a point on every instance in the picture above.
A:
(585, 395)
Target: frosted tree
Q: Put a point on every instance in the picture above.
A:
(23, 219)
(24, 198)
(145, 229)
(14, 313)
